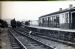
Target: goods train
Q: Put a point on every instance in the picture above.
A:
(60, 19)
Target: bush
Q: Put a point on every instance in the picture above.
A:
(27, 23)
(3, 23)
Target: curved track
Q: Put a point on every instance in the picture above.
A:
(47, 38)
(28, 42)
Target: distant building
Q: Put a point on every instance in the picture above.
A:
(64, 18)
(34, 22)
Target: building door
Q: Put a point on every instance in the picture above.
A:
(48, 21)
(73, 20)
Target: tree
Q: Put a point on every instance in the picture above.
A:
(27, 22)
(3, 23)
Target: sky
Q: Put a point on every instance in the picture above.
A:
(29, 10)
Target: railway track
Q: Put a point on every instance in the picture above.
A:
(28, 42)
(15, 42)
(44, 37)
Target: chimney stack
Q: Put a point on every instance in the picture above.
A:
(70, 6)
(60, 9)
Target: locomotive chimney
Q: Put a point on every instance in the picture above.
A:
(70, 6)
(60, 9)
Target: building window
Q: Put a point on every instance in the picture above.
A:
(43, 20)
(63, 16)
(57, 19)
(67, 17)
(51, 18)
(47, 18)
(54, 18)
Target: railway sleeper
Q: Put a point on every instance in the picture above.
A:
(15, 43)
(61, 42)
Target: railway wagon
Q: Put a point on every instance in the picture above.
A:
(61, 19)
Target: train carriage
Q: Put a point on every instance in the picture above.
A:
(60, 19)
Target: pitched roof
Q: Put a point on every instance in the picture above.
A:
(65, 10)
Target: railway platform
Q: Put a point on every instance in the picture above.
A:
(49, 28)
(52, 44)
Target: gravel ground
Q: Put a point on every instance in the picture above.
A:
(5, 43)
(0, 38)
(52, 44)
(30, 44)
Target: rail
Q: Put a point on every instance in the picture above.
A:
(63, 43)
(23, 47)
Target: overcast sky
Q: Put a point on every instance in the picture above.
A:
(31, 10)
